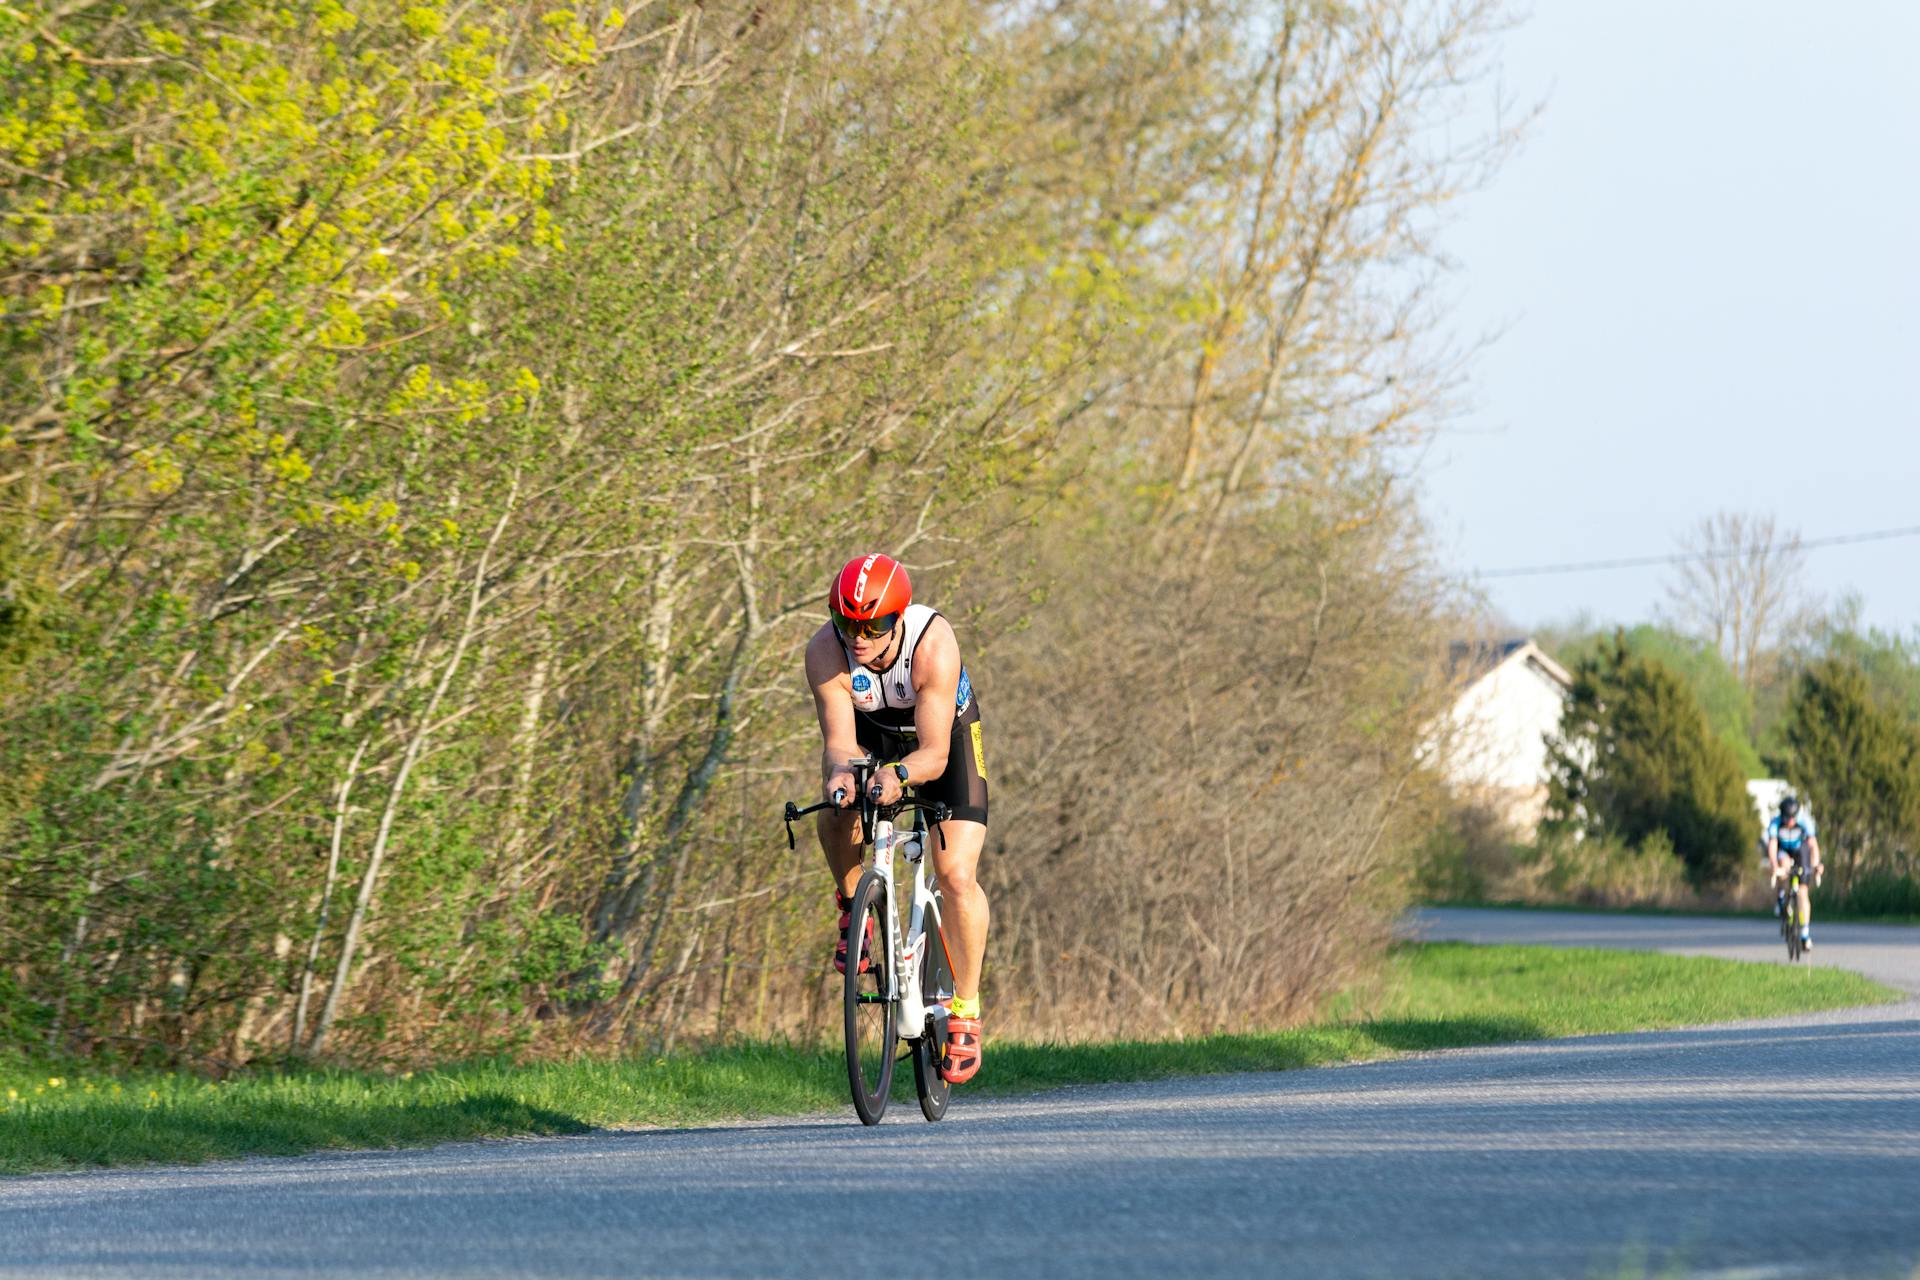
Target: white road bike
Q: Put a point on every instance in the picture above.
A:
(899, 976)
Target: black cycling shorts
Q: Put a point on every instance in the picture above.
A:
(1801, 854)
(963, 787)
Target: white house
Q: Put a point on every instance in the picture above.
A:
(1494, 737)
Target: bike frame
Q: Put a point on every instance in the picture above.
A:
(907, 996)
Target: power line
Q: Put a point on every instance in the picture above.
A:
(1695, 557)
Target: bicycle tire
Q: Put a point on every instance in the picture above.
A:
(870, 1017)
(936, 981)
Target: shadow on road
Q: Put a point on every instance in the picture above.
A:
(1451, 1033)
(129, 1130)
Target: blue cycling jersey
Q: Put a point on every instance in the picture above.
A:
(1790, 837)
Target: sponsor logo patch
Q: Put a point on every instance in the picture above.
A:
(964, 694)
(862, 682)
(979, 749)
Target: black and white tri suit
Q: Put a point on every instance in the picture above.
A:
(883, 703)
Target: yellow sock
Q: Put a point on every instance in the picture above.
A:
(964, 1008)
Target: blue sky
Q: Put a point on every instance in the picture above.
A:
(1706, 263)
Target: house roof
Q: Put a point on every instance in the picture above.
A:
(1470, 661)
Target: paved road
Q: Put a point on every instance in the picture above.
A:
(1574, 1158)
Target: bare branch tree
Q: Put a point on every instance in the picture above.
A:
(1739, 587)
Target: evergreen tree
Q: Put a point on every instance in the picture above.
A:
(1636, 756)
(1859, 762)
(1727, 703)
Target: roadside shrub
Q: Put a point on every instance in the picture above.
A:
(1605, 873)
(1470, 857)
(1878, 893)
(1237, 848)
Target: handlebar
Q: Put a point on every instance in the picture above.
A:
(936, 811)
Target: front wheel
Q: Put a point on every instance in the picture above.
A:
(870, 1013)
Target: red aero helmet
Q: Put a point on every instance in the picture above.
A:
(870, 587)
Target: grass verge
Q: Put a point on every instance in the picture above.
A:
(1434, 996)
(1823, 912)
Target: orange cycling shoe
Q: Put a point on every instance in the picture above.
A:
(840, 951)
(963, 1050)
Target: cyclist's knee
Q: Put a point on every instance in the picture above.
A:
(837, 828)
(959, 882)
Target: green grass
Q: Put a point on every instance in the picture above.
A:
(1433, 996)
(1823, 911)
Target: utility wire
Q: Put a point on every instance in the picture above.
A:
(1694, 557)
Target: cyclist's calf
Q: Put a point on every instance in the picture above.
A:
(839, 833)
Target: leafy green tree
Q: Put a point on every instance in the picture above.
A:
(1859, 762)
(1727, 703)
(1889, 661)
(1636, 756)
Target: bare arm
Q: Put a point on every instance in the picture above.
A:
(833, 704)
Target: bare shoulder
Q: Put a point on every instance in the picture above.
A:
(940, 632)
(826, 660)
(938, 654)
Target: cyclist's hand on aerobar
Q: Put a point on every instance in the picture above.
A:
(885, 787)
(840, 788)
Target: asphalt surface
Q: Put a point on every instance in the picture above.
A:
(1781, 1148)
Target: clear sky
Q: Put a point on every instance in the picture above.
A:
(1706, 261)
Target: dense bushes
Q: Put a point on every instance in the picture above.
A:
(1474, 857)
(429, 426)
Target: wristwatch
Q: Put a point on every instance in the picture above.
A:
(900, 772)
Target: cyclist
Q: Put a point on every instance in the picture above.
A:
(1790, 839)
(887, 679)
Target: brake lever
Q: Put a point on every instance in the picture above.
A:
(793, 812)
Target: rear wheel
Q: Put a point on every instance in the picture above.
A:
(933, 1089)
(870, 1017)
(936, 984)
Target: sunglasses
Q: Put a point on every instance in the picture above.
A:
(871, 629)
